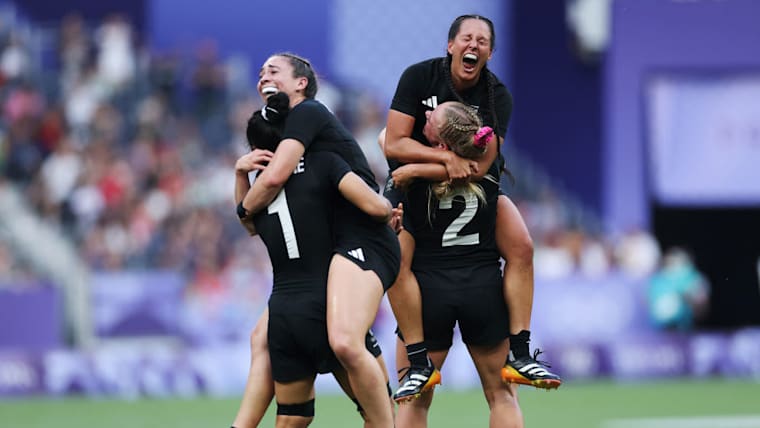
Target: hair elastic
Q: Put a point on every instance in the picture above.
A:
(483, 136)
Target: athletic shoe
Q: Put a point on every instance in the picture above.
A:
(530, 371)
(416, 380)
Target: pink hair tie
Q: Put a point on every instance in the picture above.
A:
(483, 137)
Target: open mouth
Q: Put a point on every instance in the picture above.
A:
(469, 61)
(269, 90)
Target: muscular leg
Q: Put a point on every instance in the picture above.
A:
(353, 298)
(501, 398)
(516, 247)
(259, 388)
(404, 296)
(342, 378)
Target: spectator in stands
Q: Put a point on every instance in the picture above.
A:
(678, 294)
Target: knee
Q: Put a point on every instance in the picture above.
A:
(345, 347)
(520, 250)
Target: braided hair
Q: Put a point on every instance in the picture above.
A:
(463, 132)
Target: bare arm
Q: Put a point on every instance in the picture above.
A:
(255, 160)
(271, 180)
(400, 146)
(356, 191)
(404, 175)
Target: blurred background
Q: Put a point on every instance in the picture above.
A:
(635, 143)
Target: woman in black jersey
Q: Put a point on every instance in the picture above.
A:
(366, 256)
(462, 76)
(297, 230)
(264, 131)
(456, 261)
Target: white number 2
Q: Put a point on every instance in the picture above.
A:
(451, 235)
(279, 206)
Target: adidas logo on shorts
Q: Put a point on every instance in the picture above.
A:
(358, 254)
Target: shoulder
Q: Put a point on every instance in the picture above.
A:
(310, 106)
(426, 66)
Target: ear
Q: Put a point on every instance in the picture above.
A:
(449, 46)
(303, 82)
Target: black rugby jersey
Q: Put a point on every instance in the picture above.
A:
(297, 226)
(423, 86)
(457, 231)
(311, 123)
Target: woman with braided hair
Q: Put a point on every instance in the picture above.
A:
(462, 75)
(456, 260)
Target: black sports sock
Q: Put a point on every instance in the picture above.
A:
(518, 344)
(417, 353)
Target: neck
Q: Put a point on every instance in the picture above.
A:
(296, 99)
(462, 85)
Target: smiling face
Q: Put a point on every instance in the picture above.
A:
(470, 50)
(277, 75)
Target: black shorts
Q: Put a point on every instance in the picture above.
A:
(376, 249)
(297, 336)
(473, 297)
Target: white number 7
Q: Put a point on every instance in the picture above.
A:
(279, 206)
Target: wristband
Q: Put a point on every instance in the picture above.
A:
(241, 211)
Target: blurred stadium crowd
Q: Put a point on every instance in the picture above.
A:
(129, 155)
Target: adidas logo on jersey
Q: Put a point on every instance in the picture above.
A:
(431, 102)
(358, 254)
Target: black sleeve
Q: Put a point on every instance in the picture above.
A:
(305, 122)
(338, 168)
(410, 90)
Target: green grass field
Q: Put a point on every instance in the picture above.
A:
(695, 404)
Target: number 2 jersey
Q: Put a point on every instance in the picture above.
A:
(457, 231)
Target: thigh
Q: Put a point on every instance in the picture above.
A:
(512, 233)
(353, 297)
